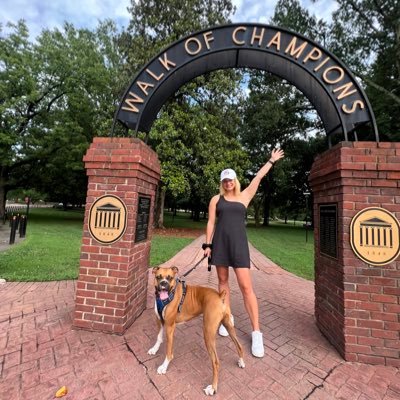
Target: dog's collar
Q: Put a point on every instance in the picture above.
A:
(161, 304)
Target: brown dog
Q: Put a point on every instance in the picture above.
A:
(177, 302)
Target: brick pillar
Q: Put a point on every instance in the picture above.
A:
(112, 284)
(357, 305)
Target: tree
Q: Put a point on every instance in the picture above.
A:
(93, 64)
(194, 146)
(23, 98)
(155, 24)
(292, 176)
(365, 35)
(191, 122)
(275, 113)
(55, 95)
(291, 15)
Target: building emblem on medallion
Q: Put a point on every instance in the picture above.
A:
(374, 236)
(107, 219)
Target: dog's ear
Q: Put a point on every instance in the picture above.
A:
(175, 269)
(155, 269)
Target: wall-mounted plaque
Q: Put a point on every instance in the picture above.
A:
(328, 229)
(107, 219)
(374, 236)
(142, 218)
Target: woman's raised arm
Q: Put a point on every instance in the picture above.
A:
(251, 190)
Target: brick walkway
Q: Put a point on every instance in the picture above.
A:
(40, 352)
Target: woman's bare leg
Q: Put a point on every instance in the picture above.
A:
(249, 297)
(223, 282)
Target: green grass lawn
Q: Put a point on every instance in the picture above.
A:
(165, 247)
(183, 220)
(50, 250)
(52, 246)
(286, 245)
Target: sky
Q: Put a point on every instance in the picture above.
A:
(41, 14)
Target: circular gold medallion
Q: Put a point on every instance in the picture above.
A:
(107, 219)
(374, 236)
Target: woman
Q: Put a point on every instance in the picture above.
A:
(226, 242)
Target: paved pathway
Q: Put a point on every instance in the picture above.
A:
(40, 351)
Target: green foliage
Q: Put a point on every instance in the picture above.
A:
(193, 148)
(291, 15)
(156, 24)
(60, 90)
(277, 114)
(56, 94)
(21, 194)
(274, 112)
(195, 135)
(364, 34)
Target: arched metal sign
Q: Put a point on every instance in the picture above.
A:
(332, 89)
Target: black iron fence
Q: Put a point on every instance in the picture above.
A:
(16, 220)
(16, 209)
(18, 224)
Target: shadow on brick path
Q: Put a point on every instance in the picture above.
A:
(40, 351)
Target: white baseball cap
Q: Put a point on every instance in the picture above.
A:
(228, 174)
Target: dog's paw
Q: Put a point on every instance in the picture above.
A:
(209, 390)
(153, 351)
(162, 369)
(241, 363)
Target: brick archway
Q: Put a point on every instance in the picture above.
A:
(357, 306)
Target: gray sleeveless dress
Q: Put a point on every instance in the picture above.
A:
(230, 247)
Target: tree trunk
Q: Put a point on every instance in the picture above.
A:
(266, 212)
(159, 208)
(196, 210)
(257, 205)
(267, 202)
(3, 195)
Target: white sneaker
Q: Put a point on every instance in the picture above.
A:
(222, 330)
(257, 345)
